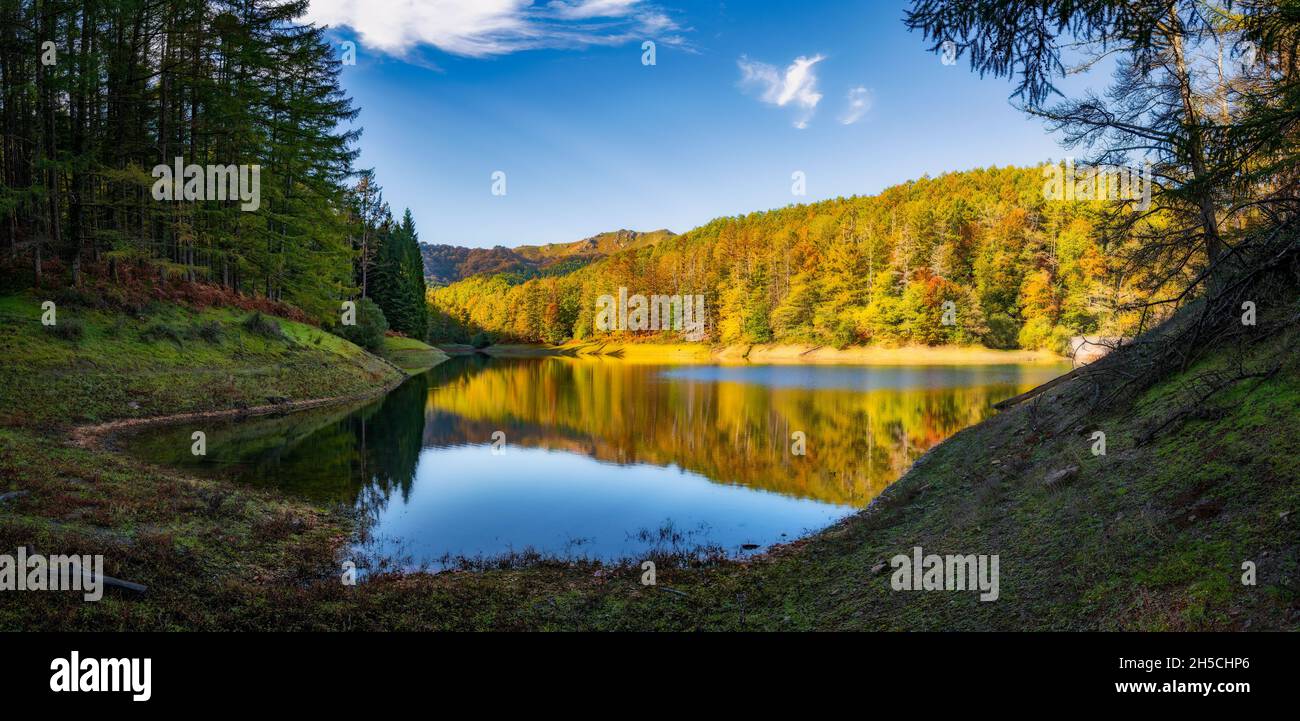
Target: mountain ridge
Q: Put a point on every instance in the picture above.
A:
(445, 264)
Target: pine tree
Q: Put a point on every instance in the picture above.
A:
(127, 85)
(398, 278)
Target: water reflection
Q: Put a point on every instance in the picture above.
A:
(732, 424)
(599, 450)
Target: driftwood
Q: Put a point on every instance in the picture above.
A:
(106, 580)
(114, 582)
(117, 583)
(1036, 391)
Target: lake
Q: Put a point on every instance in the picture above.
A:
(600, 458)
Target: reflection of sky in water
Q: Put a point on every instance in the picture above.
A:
(598, 451)
(867, 378)
(467, 501)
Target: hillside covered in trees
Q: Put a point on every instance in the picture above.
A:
(101, 100)
(1019, 271)
(1199, 412)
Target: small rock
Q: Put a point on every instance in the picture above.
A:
(996, 462)
(878, 568)
(1205, 508)
(1283, 516)
(133, 406)
(1056, 479)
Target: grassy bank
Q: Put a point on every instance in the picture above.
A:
(411, 355)
(96, 365)
(189, 541)
(1151, 535)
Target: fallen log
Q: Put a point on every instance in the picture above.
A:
(119, 583)
(114, 582)
(1037, 391)
(89, 575)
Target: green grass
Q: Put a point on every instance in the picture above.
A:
(169, 360)
(1148, 537)
(411, 355)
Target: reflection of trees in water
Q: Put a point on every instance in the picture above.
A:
(392, 435)
(858, 442)
(358, 457)
(388, 437)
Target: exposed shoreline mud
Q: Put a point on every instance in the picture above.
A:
(93, 436)
(771, 353)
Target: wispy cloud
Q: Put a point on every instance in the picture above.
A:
(796, 86)
(582, 9)
(482, 28)
(859, 104)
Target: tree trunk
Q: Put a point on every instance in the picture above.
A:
(1214, 248)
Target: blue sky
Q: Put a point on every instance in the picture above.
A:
(742, 95)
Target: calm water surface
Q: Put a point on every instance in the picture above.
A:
(602, 458)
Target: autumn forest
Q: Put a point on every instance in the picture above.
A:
(1019, 271)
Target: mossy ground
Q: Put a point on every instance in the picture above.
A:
(411, 355)
(96, 365)
(1146, 537)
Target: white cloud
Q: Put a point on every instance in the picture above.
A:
(656, 22)
(582, 9)
(481, 28)
(796, 87)
(859, 104)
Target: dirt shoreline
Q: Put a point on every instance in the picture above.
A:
(94, 435)
(794, 354)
